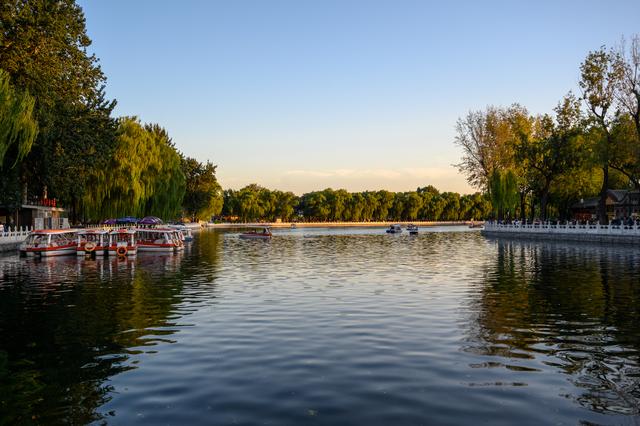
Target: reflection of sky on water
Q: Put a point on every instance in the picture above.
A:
(349, 326)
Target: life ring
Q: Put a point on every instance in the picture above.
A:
(122, 251)
(90, 246)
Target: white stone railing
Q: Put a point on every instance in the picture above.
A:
(14, 235)
(566, 228)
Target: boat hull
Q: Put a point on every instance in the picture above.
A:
(162, 248)
(49, 252)
(113, 251)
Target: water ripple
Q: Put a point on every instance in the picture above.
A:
(325, 326)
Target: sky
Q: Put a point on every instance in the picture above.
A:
(361, 95)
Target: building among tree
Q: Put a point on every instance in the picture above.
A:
(620, 203)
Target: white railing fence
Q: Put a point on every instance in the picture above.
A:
(14, 235)
(564, 228)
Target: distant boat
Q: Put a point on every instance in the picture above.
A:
(394, 229)
(264, 234)
(294, 226)
(413, 229)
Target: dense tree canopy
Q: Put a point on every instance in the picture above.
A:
(57, 133)
(18, 128)
(203, 196)
(586, 147)
(142, 177)
(43, 48)
(254, 203)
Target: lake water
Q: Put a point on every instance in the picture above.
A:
(326, 327)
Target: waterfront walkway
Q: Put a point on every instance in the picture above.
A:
(569, 232)
(12, 238)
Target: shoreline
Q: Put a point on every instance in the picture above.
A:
(605, 234)
(337, 224)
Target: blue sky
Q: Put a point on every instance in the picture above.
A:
(302, 95)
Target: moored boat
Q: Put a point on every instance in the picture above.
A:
(122, 242)
(263, 234)
(185, 233)
(92, 242)
(50, 242)
(159, 240)
(413, 229)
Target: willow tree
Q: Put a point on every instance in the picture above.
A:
(503, 190)
(18, 131)
(165, 173)
(18, 127)
(143, 175)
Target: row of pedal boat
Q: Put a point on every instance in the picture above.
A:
(100, 242)
(397, 229)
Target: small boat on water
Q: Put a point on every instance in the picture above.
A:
(159, 240)
(413, 229)
(92, 242)
(263, 234)
(122, 242)
(394, 229)
(50, 242)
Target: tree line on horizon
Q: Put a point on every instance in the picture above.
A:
(538, 165)
(255, 203)
(58, 135)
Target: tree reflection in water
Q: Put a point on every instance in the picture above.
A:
(569, 307)
(68, 325)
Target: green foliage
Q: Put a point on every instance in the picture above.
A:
(18, 128)
(504, 193)
(550, 161)
(203, 197)
(43, 48)
(255, 203)
(142, 177)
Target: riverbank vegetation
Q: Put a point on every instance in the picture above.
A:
(538, 165)
(254, 202)
(59, 138)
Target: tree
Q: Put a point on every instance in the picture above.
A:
(286, 203)
(599, 79)
(142, 177)
(484, 137)
(203, 196)
(552, 148)
(627, 64)
(43, 47)
(18, 128)
(503, 192)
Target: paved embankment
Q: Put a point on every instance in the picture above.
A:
(334, 224)
(607, 234)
